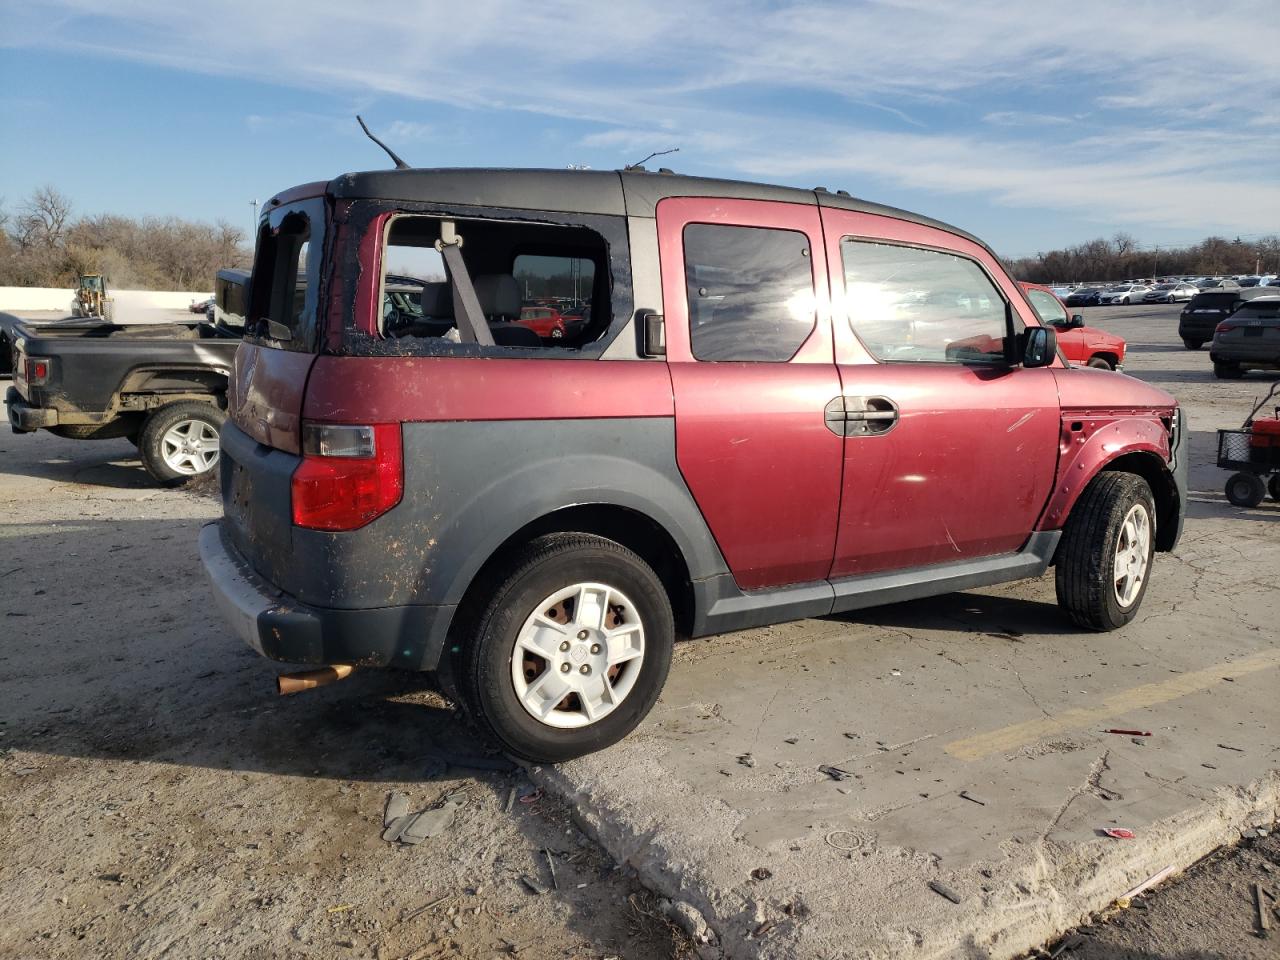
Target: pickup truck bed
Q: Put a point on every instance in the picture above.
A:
(103, 379)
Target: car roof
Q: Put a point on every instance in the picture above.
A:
(633, 192)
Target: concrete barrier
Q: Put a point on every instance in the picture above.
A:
(126, 301)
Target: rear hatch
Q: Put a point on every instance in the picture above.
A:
(261, 444)
(1251, 333)
(1205, 311)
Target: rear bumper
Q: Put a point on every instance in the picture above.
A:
(1242, 351)
(280, 628)
(23, 417)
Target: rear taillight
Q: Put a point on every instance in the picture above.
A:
(349, 475)
(37, 371)
(1224, 327)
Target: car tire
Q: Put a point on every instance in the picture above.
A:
(1227, 370)
(1246, 489)
(1112, 524)
(174, 441)
(529, 684)
(1192, 344)
(1273, 486)
(1125, 301)
(1099, 363)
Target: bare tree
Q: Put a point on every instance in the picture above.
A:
(42, 219)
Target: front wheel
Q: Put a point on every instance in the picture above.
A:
(1125, 301)
(1246, 489)
(571, 650)
(1192, 344)
(180, 441)
(1226, 370)
(1100, 363)
(1104, 559)
(1273, 486)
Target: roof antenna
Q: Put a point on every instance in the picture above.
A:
(400, 164)
(656, 153)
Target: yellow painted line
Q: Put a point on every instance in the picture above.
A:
(1116, 705)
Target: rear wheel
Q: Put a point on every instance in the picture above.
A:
(180, 441)
(1227, 370)
(1104, 559)
(1273, 486)
(1246, 489)
(571, 650)
(1192, 344)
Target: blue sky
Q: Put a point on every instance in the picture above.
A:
(1033, 125)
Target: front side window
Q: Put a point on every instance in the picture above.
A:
(750, 292)
(1047, 308)
(914, 304)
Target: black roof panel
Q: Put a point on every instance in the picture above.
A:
(617, 193)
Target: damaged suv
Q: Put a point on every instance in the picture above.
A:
(781, 403)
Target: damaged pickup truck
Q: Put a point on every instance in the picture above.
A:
(785, 403)
(161, 385)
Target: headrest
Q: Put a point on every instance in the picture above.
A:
(499, 295)
(437, 300)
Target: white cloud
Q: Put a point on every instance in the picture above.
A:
(1163, 116)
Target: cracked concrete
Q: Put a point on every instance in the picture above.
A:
(992, 693)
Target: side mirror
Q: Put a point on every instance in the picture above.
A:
(1039, 347)
(1077, 320)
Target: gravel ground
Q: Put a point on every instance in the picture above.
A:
(160, 801)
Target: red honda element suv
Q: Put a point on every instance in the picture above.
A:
(786, 403)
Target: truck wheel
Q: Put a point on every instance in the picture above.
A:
(1227, 370)
(1100, 363)
(180, 441)
(1192, 344)
(1104, 559)
(570, 649)
(1246, 489)
(1273, 486)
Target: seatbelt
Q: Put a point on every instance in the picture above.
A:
(473, 328)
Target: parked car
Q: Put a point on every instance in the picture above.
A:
(1084, 297)
(537, 522)
(1170, 293)
(201, 306)
(546, 322)
(1249, 339)
(1218, 283)
(1205, 311)
(1125, 294)
(163, 386)
(1082, 345)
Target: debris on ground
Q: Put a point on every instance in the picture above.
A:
(747, 760)
(1118, 833)
(836, 838)
(551, 868)
(761, 873)
(942, 890)
(413, 828)
(688, 918)
(532, 885)
(1260, 905)
(972, 799)
(1124, 900)
(835, 773)
(397, 807)
(1129, 733)
(1073, 942)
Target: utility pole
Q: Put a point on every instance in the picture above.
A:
(253, 230)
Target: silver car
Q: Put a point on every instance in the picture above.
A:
(1249, 339)
(1125, 294)
(1170, 293)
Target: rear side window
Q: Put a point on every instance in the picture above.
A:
(750, 292)
(285, 273)
(915, 304)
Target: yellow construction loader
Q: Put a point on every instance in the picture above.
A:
(91, 297)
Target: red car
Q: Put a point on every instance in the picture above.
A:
(546, 322)
(1083, 346)
(787, 403)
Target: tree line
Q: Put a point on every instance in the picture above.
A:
(1121, 258)
(44, 244)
